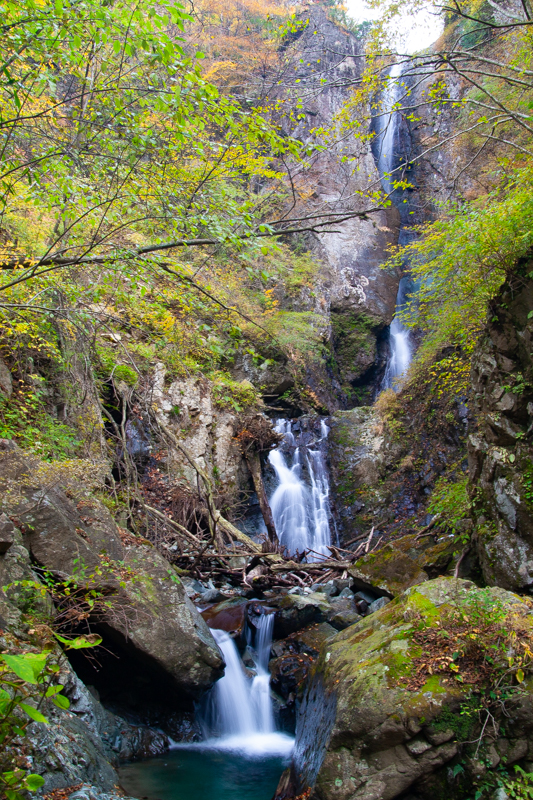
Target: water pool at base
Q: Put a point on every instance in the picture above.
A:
(204, 774)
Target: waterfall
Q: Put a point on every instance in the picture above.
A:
(238, 713)
(401, 349)
(387, 137)
(301, 511)
(386, 127)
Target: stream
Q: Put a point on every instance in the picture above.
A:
(242, 754)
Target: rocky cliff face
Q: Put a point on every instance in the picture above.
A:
(500, 456)
(354, 291)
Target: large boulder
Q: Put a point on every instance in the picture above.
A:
(381, 714)
(500, 458)
(149, 617)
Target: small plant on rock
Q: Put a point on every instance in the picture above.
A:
(28, 683)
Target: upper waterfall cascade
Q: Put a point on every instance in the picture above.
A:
(301, 509)
(387, 134)
(386, 127)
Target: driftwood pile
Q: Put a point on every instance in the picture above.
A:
(262, 571)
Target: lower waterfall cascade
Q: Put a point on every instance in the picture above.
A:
(301, 509)
(238, 713)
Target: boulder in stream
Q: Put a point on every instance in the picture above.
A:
(399, 701)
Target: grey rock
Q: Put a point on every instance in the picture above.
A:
(500, 794)
(377, 604)
(7, 533)
(498, 452)
(366, 596)
(151, 610)
(295, 612)
(88, 792)
(362, 736)
(213, 596)
(192, 586)
(346, 593)
(418, 745)
(329, 589)
(342, 583)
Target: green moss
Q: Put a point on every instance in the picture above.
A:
(108, 367)
(461, 722)
(228, 393)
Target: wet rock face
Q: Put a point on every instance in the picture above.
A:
(500, 455)
(362, 734)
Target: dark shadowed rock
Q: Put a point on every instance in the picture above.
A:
(7, 533)
(500, 457)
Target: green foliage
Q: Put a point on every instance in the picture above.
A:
(461, 260)
(451, 502)
(82, 598)
(527, 480)
(111, 370)
(144, 151)
(521, 788)
(24, 419)
(237, 395)
(28, 682)
(462, 723)
(300, 334)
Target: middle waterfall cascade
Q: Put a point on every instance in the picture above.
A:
(301, 511)
(401, 349)
(239, 713)
(387, 134)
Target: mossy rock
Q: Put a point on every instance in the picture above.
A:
(372, 736)
(390, 570)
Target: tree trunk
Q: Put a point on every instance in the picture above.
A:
(254, 465)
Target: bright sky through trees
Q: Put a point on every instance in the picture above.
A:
(416, 31)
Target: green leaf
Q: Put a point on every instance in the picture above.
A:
(33, 713)
(26, 667)
(519, 675)
(80, 641)
(11, 794)
(61, 701)
(457, 769)
(52, 690)
(34, 781)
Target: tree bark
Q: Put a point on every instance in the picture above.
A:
(254, 465)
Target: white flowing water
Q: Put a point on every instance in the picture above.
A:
(301, 510)
(401, 348)
(239, 713)
(386, 125)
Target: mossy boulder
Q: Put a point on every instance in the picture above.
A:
(370, 727)
(403, 563)
(145, 614)
(295, 612)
